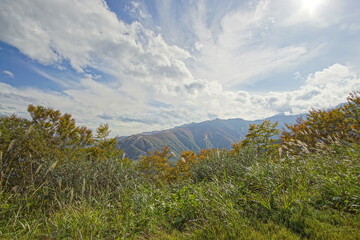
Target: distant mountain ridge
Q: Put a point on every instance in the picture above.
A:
(216, 133)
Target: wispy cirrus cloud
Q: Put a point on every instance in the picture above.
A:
(9, 74)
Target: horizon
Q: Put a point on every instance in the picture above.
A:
(210, 120)
(144, 66)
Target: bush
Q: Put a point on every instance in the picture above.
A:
(223, 164)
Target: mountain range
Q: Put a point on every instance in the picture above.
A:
(218, 133)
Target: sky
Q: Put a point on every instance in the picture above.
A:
(156, 64)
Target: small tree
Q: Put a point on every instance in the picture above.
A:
(183, 167)
(157, 166)
(60, 130)
(104, 147)
(50, 135)
(262, 137)
(321, 127)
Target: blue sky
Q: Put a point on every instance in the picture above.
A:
(151, 65)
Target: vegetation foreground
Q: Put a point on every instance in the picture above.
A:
(59, 181)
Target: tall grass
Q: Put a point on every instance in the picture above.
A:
(228, 196)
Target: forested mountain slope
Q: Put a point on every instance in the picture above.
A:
(216, 133)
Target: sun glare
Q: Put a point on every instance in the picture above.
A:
(311, 5)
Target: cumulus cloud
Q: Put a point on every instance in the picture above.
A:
(87, 34)
(323, 89)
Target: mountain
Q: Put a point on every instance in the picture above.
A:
(216, 133)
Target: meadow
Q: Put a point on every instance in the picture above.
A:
(58, 181)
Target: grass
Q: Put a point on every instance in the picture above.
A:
(243, 196)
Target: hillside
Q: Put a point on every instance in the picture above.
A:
(216, 133)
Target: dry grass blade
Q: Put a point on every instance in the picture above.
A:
(52, 166)
(11, 145)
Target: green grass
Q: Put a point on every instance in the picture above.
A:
(247, 196)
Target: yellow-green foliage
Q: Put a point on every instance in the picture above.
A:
(104, 147)
(323, 127)
(262, 137)
(49, 136)
(157, 166)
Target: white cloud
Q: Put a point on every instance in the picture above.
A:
(155, 85)
(8, 73)
(91, 105)
(60, 81)
(138, 11)
(87, 34)
(93, 102)
(234, 47)
(323, 89)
